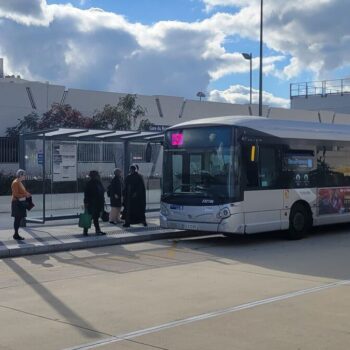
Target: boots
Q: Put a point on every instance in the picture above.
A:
(98, 230)
(17, 237)
(100, 233)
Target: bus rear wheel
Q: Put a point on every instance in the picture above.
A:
(300, 222)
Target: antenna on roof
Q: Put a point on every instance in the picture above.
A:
(268, 113)
(1, 68)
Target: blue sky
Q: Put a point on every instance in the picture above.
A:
(147, 11)
(177, 47)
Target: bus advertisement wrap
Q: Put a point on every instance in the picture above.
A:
(333, 201)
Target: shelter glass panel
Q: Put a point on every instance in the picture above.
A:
(58, 165)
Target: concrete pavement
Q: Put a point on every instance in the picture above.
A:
(65, 235)
(241, 293)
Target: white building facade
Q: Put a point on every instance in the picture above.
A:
(19, 97)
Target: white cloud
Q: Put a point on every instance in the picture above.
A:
(313, 33)
(24, 11)
(241, 94)
(96, 49)
(100, 50)
(23, 7)
(235, 63)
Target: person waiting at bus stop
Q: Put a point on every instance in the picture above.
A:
(18, 205)
(94, 200)
(115, 190)
(134, 198)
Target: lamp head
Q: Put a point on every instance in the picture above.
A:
(247, 56)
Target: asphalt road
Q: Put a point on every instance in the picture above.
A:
(259, 292)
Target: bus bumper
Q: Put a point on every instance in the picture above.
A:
(232, 224)
(194, 226)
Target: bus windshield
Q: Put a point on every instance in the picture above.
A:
(198, 163)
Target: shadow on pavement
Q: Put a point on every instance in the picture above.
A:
(68, 315)
(324, 253)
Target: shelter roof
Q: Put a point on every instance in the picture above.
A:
(68, 134)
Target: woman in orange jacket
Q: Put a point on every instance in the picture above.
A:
(18, 205)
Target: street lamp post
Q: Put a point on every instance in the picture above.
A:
(249, 56)
(261, 58)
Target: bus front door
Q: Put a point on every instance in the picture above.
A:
(262, 200)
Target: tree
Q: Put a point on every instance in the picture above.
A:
(59, 116)
(63, 116)
(201, 95)
(120, 117)
(27, 124)
(145, 125)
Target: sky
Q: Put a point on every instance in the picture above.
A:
(176, 47)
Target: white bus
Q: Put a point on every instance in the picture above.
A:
(252, 174)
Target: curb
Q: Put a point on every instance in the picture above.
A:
(90, 242)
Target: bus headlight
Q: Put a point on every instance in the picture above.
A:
(223, 213)
(164, 210)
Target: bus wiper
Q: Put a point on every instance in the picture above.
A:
(204, 191)
(168, 195)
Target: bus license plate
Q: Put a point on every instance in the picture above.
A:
(190, 227)
(181, 226)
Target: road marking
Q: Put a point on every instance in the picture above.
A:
(139, 333)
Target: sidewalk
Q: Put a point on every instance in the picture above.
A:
(56, 236)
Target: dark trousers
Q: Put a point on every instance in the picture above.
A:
(17, 223)
(95, 219)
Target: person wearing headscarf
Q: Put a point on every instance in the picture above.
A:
(134, 198)
(94, 200)
(115, 191)
(18, 205)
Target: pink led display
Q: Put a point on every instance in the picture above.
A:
(177, 139)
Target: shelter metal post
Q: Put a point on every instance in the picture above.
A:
(44, 178)
(21, 152)
(126, 158)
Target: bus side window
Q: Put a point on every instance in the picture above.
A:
(268, 173)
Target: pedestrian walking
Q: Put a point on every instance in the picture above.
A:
(19, 204)
(115, 190)
(134, 198)
(94, 200)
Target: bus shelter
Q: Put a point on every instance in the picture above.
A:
(58, 161)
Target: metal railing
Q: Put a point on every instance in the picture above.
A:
(320, 88)
(8, 150)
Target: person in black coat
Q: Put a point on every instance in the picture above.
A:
(94, 200)
(134, 198)
(115, 191)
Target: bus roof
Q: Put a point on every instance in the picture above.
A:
(289, 129)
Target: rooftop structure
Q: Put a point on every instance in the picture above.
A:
(331, 95)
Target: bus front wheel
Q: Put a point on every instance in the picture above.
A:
(300, 222)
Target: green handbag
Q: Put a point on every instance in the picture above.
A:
(85, 220)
